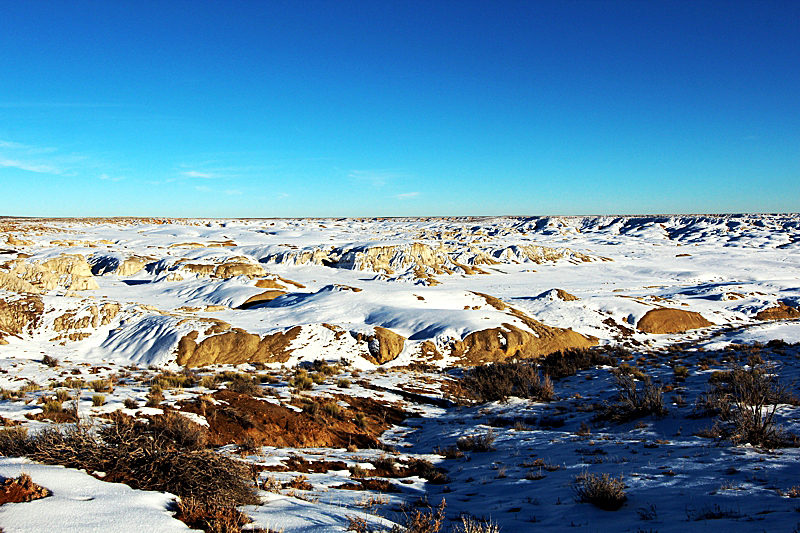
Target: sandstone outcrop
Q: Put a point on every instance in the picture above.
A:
(668, 320)
(235, 347)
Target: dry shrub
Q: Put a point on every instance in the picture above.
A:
(210, 518)
(477, 443)
(244, 384)
(500, 381)
(179, 430)
(568, 362)
(745, 401)
(470, 524)
(136, 455)
(301, 381)
(602, 491)
(50, 361)
(634, 402)
(449, 452)
(21, 489)
(130, 403)
(98, 400)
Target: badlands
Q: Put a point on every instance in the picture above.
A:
(454, 374)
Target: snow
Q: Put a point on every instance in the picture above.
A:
(82, 504)
(726, 267)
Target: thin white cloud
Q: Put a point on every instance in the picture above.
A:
(406, 195)
(203, 188)
(233, 191)
(106, 177)
(377, 178)
(195, 174)
(31, 167)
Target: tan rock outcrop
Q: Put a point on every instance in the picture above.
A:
(265, 296)
(386, 345)
(20, 315)
(12, 283)
(70, 272)
(668, 320)
(509, 341)
(235, 347)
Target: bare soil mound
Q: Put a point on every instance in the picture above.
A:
(668, 320)
(237, 418)
(780, 312)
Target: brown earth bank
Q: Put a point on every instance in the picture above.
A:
(240, 418)
(668, 320)
(779, 312)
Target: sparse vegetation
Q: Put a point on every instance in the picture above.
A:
(633, 401)
(477, 443)
(500, 381)
(745, 401)
(602, 491)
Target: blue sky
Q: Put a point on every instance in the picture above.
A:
(379, 108)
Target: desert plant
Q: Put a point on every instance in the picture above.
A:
(469, 524)
(602, 491)
(52, 406)
(568, 362)
(301, 381)
(98, 400)
(343, 383)
(130, 403)
(244, 384)
(101, 385)
(634, 402)
(209, 382)
(62, 395)
(50, 361)
(477, 443)
(499, 381)
(332, 409)
(155, 396)
(179, 429)
(745, 401)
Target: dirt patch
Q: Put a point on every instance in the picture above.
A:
(21, 489)
(779, 312)
(668, 320)
(239, 418)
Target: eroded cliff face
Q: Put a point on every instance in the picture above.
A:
(235, 347)
(70, 271)
(19, 315)
(421, 261)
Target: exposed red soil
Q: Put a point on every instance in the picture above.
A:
(239, 418)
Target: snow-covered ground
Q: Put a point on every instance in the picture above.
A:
(135, 292)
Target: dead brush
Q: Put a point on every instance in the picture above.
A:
(632, 401)
(745, 401)
(131, 453)
(477, 443)
(470, 524)
(500, 381)
(602, 491)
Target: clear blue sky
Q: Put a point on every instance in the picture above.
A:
(391, 108)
